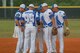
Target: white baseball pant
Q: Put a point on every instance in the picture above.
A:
(19, 47)
(47, 37)
(61, 39)
(54, 43)
(30, 34)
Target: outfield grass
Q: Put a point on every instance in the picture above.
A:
(74, 25)
(7, 26)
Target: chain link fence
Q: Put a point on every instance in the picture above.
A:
(8, 13)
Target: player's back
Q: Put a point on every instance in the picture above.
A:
(29, 17)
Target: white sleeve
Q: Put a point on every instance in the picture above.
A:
(17, 14)
(23, 15)
(50, 11)
(63, 14)
(41, 17)
(37, 14)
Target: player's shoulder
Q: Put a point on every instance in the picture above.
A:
(29, 11)
(24, 13)
(18, 12)
(61, 11)
(49, 10)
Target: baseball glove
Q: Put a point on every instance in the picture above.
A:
(66, 33)
(54, 31)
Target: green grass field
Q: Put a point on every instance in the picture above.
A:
(7, 28)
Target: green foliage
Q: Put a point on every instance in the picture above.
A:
(64, 2)
(50, 2)
(70, 2)
(27, 2)
(17, 2)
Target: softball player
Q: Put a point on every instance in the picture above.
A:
(19, 27)
(40, 33)
(60, 18)
(48, 22)
(30, 29)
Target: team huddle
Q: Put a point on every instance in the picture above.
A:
(44, 24)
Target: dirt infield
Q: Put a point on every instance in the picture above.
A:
(72, 45)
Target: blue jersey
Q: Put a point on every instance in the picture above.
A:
(29, 17)
(18, 16)
(39, 15)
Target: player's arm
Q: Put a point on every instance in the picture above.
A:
(66, 24)
(17, 22)
(38, 21)
(37, 18)
(53, 22)
(53, 19)
(67, 31)
(23, 18)
(22, 24)
(54, 29)
(17, 19)
(66, 21)
(22, 21)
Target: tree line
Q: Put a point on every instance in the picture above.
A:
(50, 2)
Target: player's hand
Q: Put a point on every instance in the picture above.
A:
(54, 31)
(67, 32)
(39, 30)
(22, 29)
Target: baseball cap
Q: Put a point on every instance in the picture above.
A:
(31, 5)
(54, 5)
(22, 6)
(44, 4)
(40, 7)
